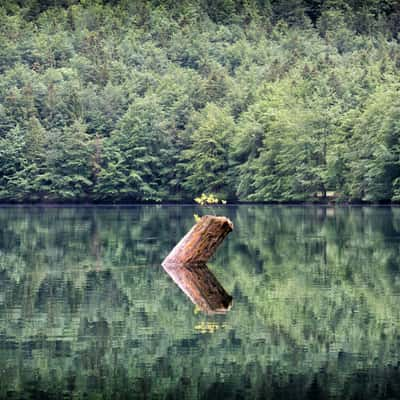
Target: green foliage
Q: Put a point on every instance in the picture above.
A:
(206, 161)
(376, 167)
(261, 100)
(207, 200)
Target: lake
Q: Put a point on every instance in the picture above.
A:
(86, 310)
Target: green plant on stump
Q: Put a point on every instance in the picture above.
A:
(207, 200)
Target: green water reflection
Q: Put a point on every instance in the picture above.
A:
(86, 311)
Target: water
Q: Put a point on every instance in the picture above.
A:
(86, 311)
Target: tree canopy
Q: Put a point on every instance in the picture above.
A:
(258, 100)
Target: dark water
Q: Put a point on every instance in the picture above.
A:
(86, 311)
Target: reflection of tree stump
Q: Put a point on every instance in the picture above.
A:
(201, 286)
(200, 243)
(186, 264)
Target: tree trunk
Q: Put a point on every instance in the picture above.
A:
(200, 243)
(186, 264)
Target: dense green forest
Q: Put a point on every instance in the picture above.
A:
(254, 100)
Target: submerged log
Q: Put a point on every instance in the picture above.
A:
(200, 243)
(201, 286)
(186, 264)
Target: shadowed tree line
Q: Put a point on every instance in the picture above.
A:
(257, 100)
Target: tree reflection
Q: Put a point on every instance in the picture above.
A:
(86, 310)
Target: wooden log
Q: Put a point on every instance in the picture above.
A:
(201, 286)
(186, 264)
(200, 243)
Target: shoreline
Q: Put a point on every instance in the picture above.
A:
(193, 204)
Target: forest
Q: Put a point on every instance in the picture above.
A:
(159, 101)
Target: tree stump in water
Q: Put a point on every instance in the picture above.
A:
(200, 243)
(186, 264)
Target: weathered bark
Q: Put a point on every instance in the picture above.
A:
(200, 243)
(201, 286)
(186, 264)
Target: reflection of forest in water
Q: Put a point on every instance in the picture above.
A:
(86, 308)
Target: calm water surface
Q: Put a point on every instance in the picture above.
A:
(86, 311)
